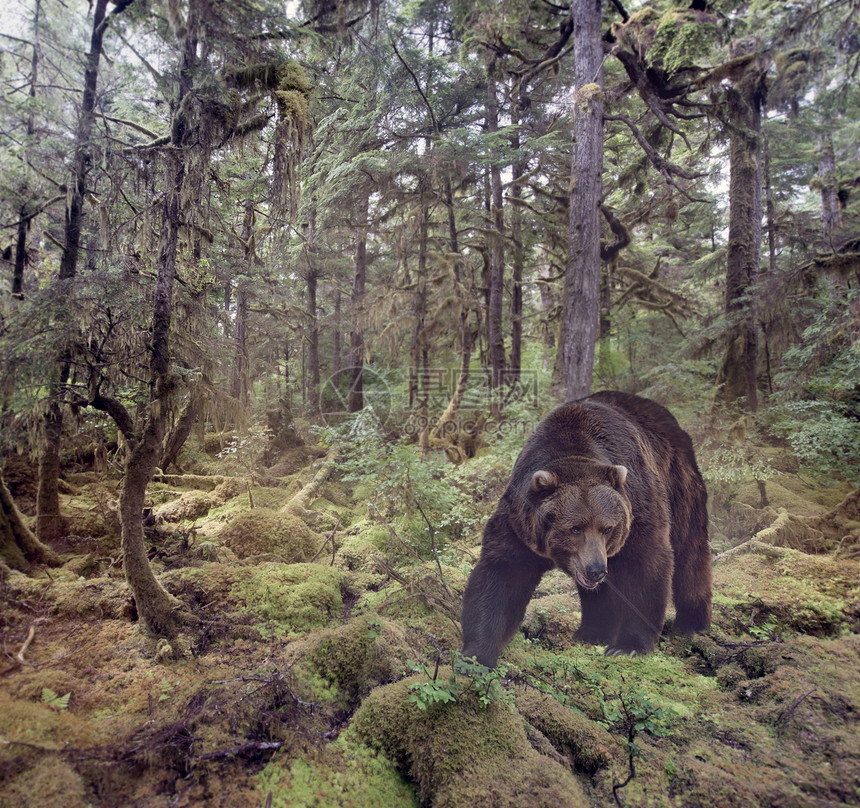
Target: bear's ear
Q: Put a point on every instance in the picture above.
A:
(617, 475)
(543, 482)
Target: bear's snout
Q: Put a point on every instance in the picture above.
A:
(595, 572)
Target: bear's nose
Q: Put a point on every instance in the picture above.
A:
(595, 572)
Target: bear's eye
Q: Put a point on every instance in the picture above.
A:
(607, 530)
(577, 531)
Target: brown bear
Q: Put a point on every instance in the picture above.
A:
(608, 490)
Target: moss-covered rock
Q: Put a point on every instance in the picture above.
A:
(356, 550)
(296, 598)
(191, 505)
(587, 745)
(460, 754)
(354, 658)
(347, 773)
(48, 782)
(263, 530)
(810, 593)
(552, 620)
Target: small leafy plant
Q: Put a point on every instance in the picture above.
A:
(486, 682)
(54, 701)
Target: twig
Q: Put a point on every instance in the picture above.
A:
(253, 746)
(433, 546)
(786, 714)
(32, 633)
(330, 537)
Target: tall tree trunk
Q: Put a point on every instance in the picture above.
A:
(181, 429)
(418, 348)
(239, 384)
(311, 356)
(25, 217)
(158, 610)
(313, 339)
(548, 303)
(50, 526)
(453, 408)
(355, 401)
(497, 243)
(827, 175)
(737, 375)
(19, 548)
(581, 301)
(518, 169)
(336, 337)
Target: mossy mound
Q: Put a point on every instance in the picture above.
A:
(587, 745)
(352, 659)
(347, 773)
(552, 621)
(191, 505)
(49, 782)
(263, 530)
(460, 754)
(70, 595)
(364, 541)
(231, 487)
(813, 594)
(216, 442)
(294, 598)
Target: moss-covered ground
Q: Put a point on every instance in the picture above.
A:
(340, 687)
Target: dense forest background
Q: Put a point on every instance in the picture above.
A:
(255, 257)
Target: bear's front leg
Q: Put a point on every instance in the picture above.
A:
(600, 616)
(641, 587)
(494, 605)
(499, 590)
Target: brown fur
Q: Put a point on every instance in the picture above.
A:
(608, 490)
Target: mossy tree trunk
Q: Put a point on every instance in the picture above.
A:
(737, 375)
(355, 399)
(50, 526)
(156, 607)
(239, 382)
(311, 365)
(19, 548)
(158, 610)
(496, 236)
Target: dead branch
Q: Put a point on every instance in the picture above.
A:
(32, 633)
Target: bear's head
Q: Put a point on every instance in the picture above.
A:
(576, 513)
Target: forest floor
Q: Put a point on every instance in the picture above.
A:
(320, 673)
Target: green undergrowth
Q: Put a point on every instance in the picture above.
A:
(324, 670)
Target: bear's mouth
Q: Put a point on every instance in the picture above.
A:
(584, 582)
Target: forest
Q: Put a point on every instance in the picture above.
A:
(284, 288)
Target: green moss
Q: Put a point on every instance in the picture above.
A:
(589, 680)
(801, 592)
(263, 531)
(297, 598)
(347, 775)
(681, 41)
(586, 744)
(191, 505)
(49, 782)
(350, 660)
(460, 754)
